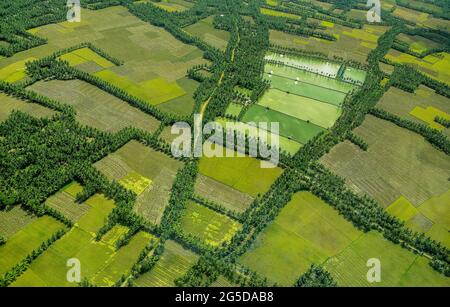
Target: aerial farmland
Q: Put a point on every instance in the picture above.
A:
(216, 144)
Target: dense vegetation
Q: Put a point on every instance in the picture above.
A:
(316, 277)
(40, 156)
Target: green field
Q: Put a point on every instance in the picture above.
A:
(26, 240)
(399, 267)
(287, 145)
(173, 5)
(205, 30)
(423, 98)
(311, 64)
(155, 169)
(50, 268)
(211, 227)
(173, 264)
(154, 92)
(13, 220)
(306, 231)
(309, 77)
(310, 231)
(85, 55)
(230, 171)
(306, 90)
(122, 261)
(222, 194)
(436, 65)
(351, 44)
(307, 109)
(9, 104)
(155, 63)
(64, 202)
(95, 107)
(354, 75)
(234, 109)
(290, 127)
(417, 43)
(184, 104)
(431, 217)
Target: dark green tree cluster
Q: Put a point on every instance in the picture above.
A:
(406, 78)
(316, 277)
(444, 122)
(39, 156)
(20, 15)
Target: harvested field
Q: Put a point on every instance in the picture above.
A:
(398, 162)
(95, 107)
(147, 164)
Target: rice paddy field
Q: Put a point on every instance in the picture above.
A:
(100, 262)
(290, 127)
(351, 43)
(307, 109)
(26, 240)
(251, 129)
(436, 65)
(155, 63)
(305, 97)
(64, 201)
(206, 31)
(173, 264)
(417, 43)
(9, 104)
(309, 231)
(222, 194)
(330, 86)
(146, 172)
(229, 170)
(430, 217)
(14, 219)
(397, 163)
(95, 107)
(401, 170)
(209, 226)
(318, 66)
(422, 19)
(422, 106)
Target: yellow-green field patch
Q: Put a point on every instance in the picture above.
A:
(144, 164)
(429, 115)
(155, 91)
(84, 55)
(25, 241)
(15, 72)
(278, 13)
(402, 209)
(242, 173)
(73, 189)
(173, 264)
(212, 227)
(114, 235)
(135, 182)
(122, 261)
